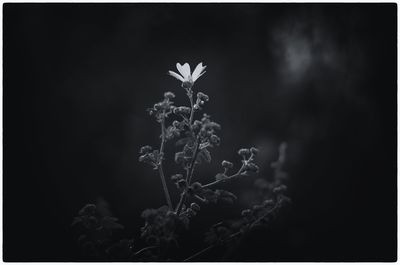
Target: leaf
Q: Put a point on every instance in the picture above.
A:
(204, 155)
(204, 145)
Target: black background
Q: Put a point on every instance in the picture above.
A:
(78, 78)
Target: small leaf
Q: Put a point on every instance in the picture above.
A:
(204, 155)
(204, 145)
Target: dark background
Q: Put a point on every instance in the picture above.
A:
(78, 78)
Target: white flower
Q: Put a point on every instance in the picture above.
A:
(186, 77)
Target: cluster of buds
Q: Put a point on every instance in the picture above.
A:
(148, 156)
(181, 110)
(248, 156)
(200, 101)
(190, 211)
(206, 130)
(226, 165)
(162, 109)
(179, 181)
(186, 155)
(174, 130)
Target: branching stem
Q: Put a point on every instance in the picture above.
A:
(190, 169)
(213, 245)
(144, 249)
(229, 178)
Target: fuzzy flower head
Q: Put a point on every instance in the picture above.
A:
(186, 76)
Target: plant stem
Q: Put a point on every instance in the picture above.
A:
(190, 95)
(211, 246)
(233, 235)
(229, 178)
(190, 169)
(192, 164)
(160, 167)
(144, 249)
(199, 253)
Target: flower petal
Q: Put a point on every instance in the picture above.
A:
(186, 70)
(171, 73)
(180, 69)
(198, 71)
(202, 73)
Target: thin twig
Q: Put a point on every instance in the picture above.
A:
(213, 245)
(160, 167)
(229, 178)
(233, 235)
(199, 253)
(192, 164)
(144, 249)
(190, 95)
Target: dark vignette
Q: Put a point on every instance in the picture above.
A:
(78, 78)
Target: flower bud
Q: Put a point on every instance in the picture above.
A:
(279, 189)
(145, 149)
(175, 124)
(157, 106)
(202, 97)
(190, 212)
(227, 164)
(244, 152)
(254, 150)
(169, 95)
(176, 177)
(195, 207)
(214, 139)
(182, 183)
(181, 110)
(268, 203)
(196, 186)
(246, 212)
